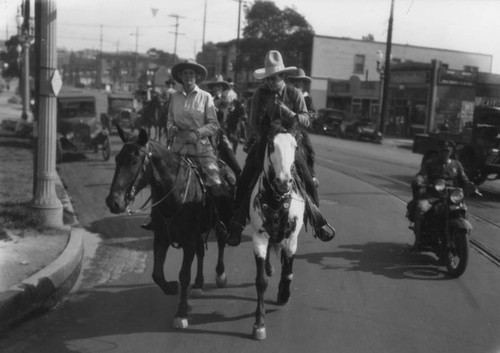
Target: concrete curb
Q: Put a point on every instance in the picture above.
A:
(45, 288)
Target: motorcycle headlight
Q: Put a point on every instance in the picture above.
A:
(457, 196)
(439, 185)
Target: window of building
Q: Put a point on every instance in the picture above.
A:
(470, 68)
(359, 64)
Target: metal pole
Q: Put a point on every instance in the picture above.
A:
(45, 201)
(387, 73)
(237, 66)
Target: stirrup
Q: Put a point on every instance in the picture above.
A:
(220, 228)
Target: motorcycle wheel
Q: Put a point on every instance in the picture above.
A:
(457, 256)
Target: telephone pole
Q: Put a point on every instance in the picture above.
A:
(237, 60)
(387, 73)
(176, 34)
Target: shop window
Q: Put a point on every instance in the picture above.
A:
(470, 68)
(359, 64)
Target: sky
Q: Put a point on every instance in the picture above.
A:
(465, 25)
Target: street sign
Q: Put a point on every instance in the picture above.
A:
(56, 82)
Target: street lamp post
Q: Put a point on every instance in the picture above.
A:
(381, 72)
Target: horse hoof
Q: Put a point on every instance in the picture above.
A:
(196, 292)
(259, 333)
(180, 323)
(221, 280)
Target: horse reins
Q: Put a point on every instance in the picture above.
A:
(147, 158)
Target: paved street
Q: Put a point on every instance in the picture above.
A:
(364, 291)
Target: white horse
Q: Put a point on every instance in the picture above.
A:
(277, 216)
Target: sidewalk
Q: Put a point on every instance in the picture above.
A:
(37, 269)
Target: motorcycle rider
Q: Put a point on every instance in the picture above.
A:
(442, 167)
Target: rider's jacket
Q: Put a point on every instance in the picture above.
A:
(451, 172)
(192, 112)
(264, 107)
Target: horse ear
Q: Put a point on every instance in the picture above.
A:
(121, 133)
(143, 137)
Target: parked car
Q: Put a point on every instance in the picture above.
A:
(78, 129)
(329, 122)
(122, 110)
(363, 129)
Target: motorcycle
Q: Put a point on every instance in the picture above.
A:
(445, 228)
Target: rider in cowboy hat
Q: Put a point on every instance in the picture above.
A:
(192, 121)
(301, 82)
(274, 100)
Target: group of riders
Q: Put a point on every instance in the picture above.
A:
(204, 125)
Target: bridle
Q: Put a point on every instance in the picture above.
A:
(146, 161)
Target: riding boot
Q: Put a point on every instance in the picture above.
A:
(219, 195)
(238, 222)
(148, 225)
(323, 230)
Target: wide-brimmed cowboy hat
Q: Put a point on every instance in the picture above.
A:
(189, 64)
(300, 75)
(273, 65)
(218, 80)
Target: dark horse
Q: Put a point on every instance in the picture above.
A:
(181, 216)
(153, 117)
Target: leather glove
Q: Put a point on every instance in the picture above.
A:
(192, 137)
(284, 111)
(303, 119)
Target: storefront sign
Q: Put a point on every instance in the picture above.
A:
(457, 78)
(488, 101)
(409, 77)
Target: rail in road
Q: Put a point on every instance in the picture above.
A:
(366, 176)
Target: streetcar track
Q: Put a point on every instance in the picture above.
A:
(476, 244)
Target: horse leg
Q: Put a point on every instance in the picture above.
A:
(160, 248)
(199, 281)
(180, 320)
(286, 278)
(220, 269)
(269, 266)
(261, 281)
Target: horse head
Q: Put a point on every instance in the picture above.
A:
(131, 172)
(279, 165)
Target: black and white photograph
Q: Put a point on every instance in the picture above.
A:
(249, 176)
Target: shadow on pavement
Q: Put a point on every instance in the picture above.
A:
(391, 260)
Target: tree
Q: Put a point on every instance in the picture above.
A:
(270, 28)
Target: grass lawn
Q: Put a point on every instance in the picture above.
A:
(16, 183)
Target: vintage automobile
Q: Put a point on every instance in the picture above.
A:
(363, 129)
(477, 145)
(329, 122)
(122, 110)
(78, 130)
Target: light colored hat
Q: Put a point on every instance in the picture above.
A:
(300, 75)
(189, 64)
(218, 81)
(273, 65)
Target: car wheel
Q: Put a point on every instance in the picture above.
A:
(106, 149)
